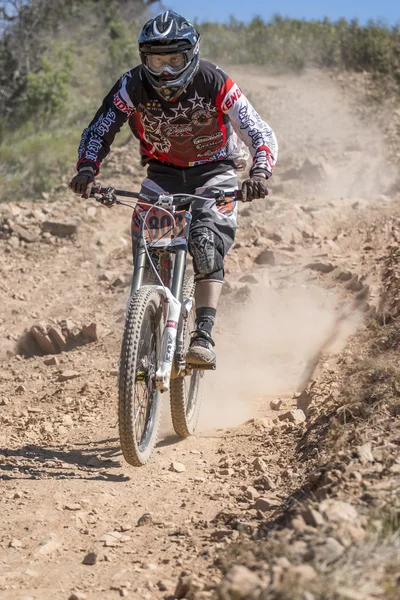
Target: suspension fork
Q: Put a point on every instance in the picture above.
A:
(172, 338)
(179, 274)
(168, 342)
(186, 304)
(139, 266)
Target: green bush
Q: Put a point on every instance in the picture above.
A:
(122, 50)
(33, 162)
(47, 90)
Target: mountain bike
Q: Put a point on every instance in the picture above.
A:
(160, 317)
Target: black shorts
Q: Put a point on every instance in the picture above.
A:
(202, 180)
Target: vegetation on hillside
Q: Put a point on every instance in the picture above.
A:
(56, 63)
(58, 59)
(293, 44)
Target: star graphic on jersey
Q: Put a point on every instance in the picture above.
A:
(180, 111)
(148, 121)
(197, 101)
(208, 106)
(161, 119)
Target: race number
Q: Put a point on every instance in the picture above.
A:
(160, 226)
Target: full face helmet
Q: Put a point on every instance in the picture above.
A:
(169, 49)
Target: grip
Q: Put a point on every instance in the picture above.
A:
(239, 195)
(97, 189)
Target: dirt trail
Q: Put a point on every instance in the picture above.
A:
(303, 269)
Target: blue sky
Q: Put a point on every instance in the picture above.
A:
(387, 11)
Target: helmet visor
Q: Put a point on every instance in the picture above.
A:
(171, 63)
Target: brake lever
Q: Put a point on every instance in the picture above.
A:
(221, 197)
(107, 198)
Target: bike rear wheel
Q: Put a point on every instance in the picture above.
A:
(139, 405)
(185, 392)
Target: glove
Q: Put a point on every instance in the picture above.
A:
(255, 187)
(82, 183)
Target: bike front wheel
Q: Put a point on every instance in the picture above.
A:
(139, 405)
(185, 392)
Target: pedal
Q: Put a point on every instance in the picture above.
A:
(204, 367)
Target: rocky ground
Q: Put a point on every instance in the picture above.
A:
(290, 489)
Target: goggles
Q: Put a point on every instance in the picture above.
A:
(171, 63)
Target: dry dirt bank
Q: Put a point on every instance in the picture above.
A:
(304, 272)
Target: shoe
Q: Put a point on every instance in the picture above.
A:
(200, 352)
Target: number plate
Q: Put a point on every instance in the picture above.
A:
(161, 230)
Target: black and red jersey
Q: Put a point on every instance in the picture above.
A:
(211, 121)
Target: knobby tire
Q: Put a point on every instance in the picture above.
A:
(185, 392)
(137, 395)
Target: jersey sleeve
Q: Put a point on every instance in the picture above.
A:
(97, 138)
(256, 134)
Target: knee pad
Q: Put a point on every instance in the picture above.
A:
(207, 251)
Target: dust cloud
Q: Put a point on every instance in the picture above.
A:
(266, 347)
(329, 146)
(330, 155)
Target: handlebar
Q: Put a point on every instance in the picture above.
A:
(108, 197)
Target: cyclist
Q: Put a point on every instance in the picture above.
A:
(196, 129)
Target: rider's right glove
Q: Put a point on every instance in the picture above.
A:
(82, 183)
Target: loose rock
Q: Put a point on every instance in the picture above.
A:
(260, 465)
(328, 551)
(251, 493)
(300, 575)
(67, 375)
(145, 519)
(49, 362)
(320, 267)
(294, 416)
(265, 482)
(72, 506)
(43, 341)
(239, 584)
(344, 276)
(266, 257)
(249, 278)
(177, 467)
(276, 404)
(313, 517)
(48, 548)
(90, 559)
(337, 511)
(185, 586)
(120, 281)
(364, 453)
(264, 504)
(59, 229)
(90, 332)
(25, 234)
(56, 336)
(77, 596)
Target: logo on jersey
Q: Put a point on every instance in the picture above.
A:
(214, 155)
(197, 163)
(232, 96)
(173, 130)
(201, 117)
(120, 104)
(207, 141)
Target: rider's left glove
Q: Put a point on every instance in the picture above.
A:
(255, 187)
(82, 183)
